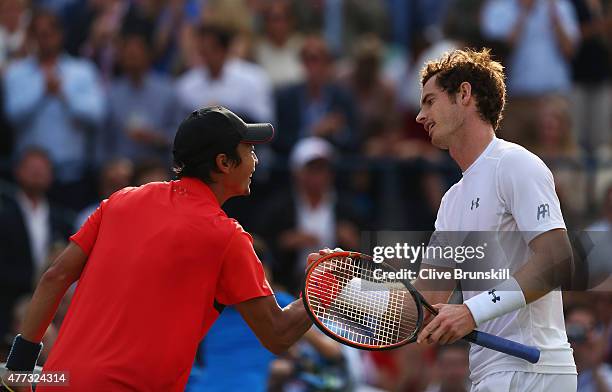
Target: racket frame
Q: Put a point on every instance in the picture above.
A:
(363, 346)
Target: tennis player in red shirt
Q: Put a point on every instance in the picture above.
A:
(156, 265)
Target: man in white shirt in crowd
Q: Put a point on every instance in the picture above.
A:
(223, 80)
(505, 189)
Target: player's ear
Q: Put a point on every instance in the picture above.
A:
(465, 92)
(223, 163)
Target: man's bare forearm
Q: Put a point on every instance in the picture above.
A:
(276, 328)
(296, 321)
(55, 281)
(435, 291)
(550, 266)
(42, 308)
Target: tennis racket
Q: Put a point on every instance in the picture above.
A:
(351, 305)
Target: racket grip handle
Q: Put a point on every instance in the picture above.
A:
(528, 353)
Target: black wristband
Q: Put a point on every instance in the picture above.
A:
(23, 355)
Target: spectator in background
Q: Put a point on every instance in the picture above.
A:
(318, 106)
(340, 21)
(100, 28)
(162, 22)
(240, 86)
(237, 16)
(150, 170)
(592, 70)
(604, 223)
(362, 17)
(541, 37)
(278, 50)
(55, 101)
(14, 19)
(313, 214)
(452, 369)
(314, 363)
(114, 175)
(29, 225)
(553, 141)
(378, 126)
(594, 375)
(6, 138)
(594, 246)
(143, 114)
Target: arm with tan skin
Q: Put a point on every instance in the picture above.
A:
(517, 31)
(566, 45)
(51, 288)
(548, 268)
(277, 329)
(53, 284)
(435, 291)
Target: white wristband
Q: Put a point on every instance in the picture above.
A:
(502, 299)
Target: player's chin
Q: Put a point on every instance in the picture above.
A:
(439, 142)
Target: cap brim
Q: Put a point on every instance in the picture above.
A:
(258, 133)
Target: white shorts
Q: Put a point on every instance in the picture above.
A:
(522, 381)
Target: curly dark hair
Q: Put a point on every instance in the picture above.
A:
(485, 75)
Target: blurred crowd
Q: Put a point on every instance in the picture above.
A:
(91, 93)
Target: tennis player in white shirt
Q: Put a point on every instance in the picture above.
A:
(504, 188)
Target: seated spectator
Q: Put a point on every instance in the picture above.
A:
(93, 27)
(541, 37)
(594, 247)
(379, 128)
(554, 142)
(318, 106)
(29, 225)
(55, 101)
(14, 19)
(240, 86)
(114, 175)
(587, 340)
(452, 369)
(150, 170)
(162, 22)
(143, 114)
(592, 74)
(314, 363)
(278, 50)
(309, 216)
(6, 139)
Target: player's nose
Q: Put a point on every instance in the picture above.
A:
(420, 118)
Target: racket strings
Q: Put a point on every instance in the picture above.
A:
(347, 298)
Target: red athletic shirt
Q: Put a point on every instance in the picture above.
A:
(160, 257)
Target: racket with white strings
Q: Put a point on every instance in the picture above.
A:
(351, 305)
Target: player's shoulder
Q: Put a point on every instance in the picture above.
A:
(144, 190)
(450, 194)
(231, 231)
(514, 158)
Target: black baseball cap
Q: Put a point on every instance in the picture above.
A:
(214, 126)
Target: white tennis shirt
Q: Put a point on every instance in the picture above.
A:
(506, 189)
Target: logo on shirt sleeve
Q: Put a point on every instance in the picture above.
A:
(475, 203)
(543, 211)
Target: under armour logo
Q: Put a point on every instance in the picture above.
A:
(543, 211)
(475, 203)
(495, 297)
